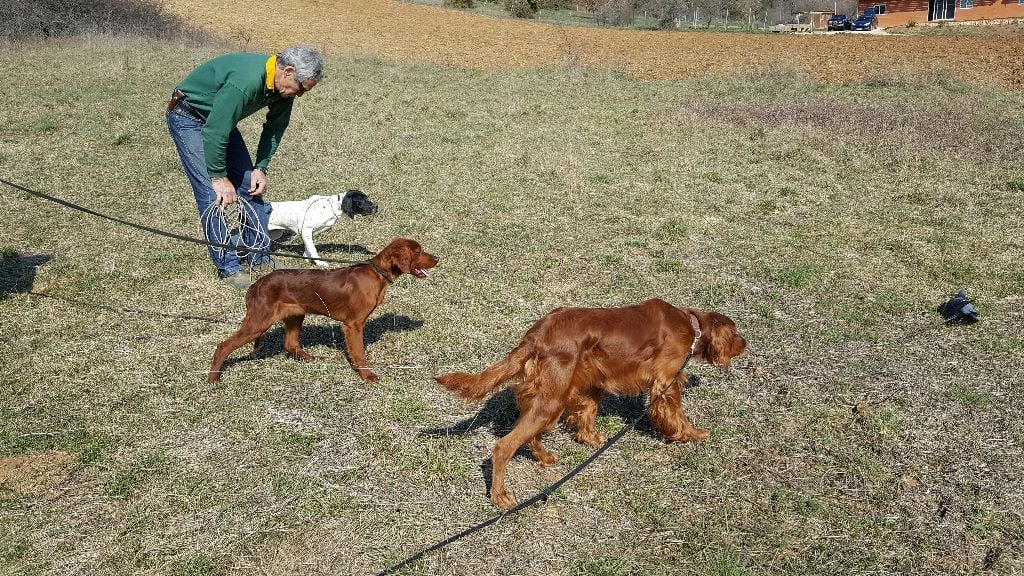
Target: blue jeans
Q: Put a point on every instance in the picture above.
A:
(186, 131)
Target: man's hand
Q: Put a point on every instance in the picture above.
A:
(225, 191)
(258, 182)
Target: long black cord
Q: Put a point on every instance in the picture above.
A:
(159, 232)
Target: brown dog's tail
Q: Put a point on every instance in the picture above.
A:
(477, 386)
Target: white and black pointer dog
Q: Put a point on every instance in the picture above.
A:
(315, 215)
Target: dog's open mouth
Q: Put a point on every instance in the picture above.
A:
(420, 273)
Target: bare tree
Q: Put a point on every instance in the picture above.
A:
(616, 12)
(666, 12)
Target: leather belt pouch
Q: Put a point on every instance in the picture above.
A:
(177, 97)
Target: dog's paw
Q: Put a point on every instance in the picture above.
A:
(368, 375)
(302, 355)
(321, 263)
(503, 500)
(592, 439)
(546, 459)
(696, 434)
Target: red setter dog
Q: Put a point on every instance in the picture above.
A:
(572, 357)
(348, 295)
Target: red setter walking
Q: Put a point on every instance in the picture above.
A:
(348, 295)
(572, 357)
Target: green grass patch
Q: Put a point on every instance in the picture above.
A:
(129, 479)
(797, 276)
(606, 566)
(970, 397)
(727, 564)
(87, 446)
(200, 565)
(298, 443)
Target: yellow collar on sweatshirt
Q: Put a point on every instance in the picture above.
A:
(271, 71)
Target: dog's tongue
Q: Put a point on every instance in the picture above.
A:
(420, 273)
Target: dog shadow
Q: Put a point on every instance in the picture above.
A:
(330, 335)
(290, 242)
(18, 273)
(500, 412)
(349, 249)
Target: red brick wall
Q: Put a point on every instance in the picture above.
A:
(901, 12)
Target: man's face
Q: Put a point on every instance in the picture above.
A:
(288, 86)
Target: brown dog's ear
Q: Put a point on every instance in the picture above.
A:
(723, 342)
(403, 256)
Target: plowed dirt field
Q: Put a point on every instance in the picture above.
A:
(414, 33)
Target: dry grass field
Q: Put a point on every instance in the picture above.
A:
(828, 215)
(407, 32)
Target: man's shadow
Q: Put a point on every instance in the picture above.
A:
(499, 413)
(18, 273)
(330, 334)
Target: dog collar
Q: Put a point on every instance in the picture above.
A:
(693, 347)
(383, 273)
(696, 334)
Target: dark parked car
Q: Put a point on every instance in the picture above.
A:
(839, 22)
(866, 21)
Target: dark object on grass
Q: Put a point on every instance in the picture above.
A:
(959, 309)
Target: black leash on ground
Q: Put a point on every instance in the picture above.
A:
(543, 495)
(159, 232)
(136, 311)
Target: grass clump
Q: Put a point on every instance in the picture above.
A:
(87, 446)
(797, 276)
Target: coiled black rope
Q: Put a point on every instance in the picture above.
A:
(159, 232)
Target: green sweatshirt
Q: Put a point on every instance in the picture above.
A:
(225, 90)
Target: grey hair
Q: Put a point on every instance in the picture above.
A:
(307, 61)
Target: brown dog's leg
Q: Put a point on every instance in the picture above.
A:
(526, 401)
(583, 417)
(252, 328)
(292, 334)
(668, 415)
(539, 408)
(356, 352)
(257, 345)
(544, 457)
(527, 428)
